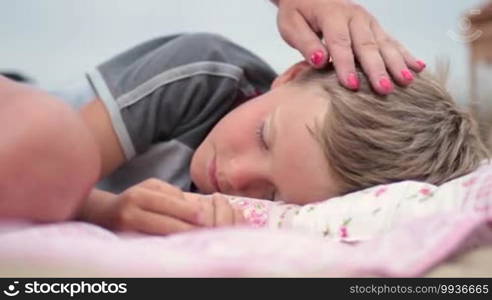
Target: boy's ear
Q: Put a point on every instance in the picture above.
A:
(290, 74)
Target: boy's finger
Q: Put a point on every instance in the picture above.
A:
(224, 214)
(158, 185)
(338, 40)
(298, 34)
(168, 205)
(207, 211)
(152, 223)
(239, 218)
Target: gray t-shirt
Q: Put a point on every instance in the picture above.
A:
(164, 96)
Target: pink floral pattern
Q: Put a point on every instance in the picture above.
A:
(255, 211)
(470, 182)
(425, 191)
(380, 191)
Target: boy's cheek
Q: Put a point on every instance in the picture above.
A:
(198, 167)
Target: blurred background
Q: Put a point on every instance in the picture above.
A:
(56, 41)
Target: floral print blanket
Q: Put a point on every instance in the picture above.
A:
(398, 230)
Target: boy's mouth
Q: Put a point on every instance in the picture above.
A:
(212, 172)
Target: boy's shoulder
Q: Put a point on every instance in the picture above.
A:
(171, 58)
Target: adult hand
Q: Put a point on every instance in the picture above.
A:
(345, 31)
(156, 207)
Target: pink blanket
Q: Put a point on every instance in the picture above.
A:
(407, 249)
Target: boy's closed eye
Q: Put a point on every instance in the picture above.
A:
(265, 134)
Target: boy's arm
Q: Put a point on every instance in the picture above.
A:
(152, 207)
(97, 119)
(156, 207)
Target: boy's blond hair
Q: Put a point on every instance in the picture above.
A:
(415, 133)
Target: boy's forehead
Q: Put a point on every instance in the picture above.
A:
(308, 112)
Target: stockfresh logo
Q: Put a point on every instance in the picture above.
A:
(12, 290)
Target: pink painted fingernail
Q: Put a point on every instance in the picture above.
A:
(353, 81)
(421, 64)
(386, 85)
(407, 75)
(317, 58)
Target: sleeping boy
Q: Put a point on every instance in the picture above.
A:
(196, 113)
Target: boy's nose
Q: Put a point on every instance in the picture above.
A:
(248, 179)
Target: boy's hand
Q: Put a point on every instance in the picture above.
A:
(153, 207)
(217, 211)
(344, 31)
(156, 207)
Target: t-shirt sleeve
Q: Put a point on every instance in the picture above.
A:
(176, 87)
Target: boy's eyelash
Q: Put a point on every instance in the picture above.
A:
(260, 134)
(261, 139)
